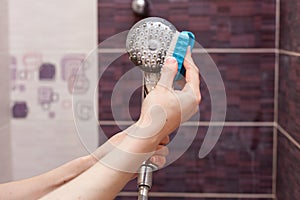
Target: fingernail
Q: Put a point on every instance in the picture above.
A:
(153, 160)
(171, 60)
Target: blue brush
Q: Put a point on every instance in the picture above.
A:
(178, 49)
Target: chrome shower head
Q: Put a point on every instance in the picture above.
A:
(148, 41)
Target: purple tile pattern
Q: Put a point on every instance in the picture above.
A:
(290, 25)
(239, 163)
(288, 170)
(216, 23)
(289, 95)
(248, 79)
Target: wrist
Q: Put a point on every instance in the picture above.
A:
(130, 153)
(147, 131)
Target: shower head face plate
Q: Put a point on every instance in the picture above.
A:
(148, 41)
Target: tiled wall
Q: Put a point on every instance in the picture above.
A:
(5, 147)
(240, 37)
(288, 172)
(48, 42)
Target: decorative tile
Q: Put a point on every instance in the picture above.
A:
(248, 80)
(289, 95)
(216, 23)
(288, 169)
(241, 162)
(290, 25)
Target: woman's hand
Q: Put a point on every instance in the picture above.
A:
(165, 108)
(162, 112)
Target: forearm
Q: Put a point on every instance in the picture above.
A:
(38, 186)
(107, 177)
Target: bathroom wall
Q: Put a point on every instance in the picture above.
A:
(240, 36)
(49, 41)
(5, 147)
(288, 176)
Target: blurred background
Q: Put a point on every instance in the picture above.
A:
(254, 43)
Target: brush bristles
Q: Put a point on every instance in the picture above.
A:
(172, 46)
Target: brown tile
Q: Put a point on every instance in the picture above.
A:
(115, 75)
(216, 23)
(290, 25)
(248, 80)
(289, 95)
(241, 162)
(288, 169)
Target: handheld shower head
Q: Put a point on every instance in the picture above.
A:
(148, 41)
(153, 39)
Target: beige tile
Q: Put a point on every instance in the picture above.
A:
(3, 26)
(39, 146)
(5, 154)
(75, 29)
(5, 90)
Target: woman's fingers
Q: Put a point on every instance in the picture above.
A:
(158, 160)
(168, 73)
(192, 75)
(162, 150)
(165, 141)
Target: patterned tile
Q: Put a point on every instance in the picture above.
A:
(241, 162)
(216, 23)
(290, 25)
(288, 170)
(248, 80)
(289, 95)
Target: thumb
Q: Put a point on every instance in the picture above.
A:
(168, 72)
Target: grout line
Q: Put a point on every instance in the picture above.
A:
(234, 50)
(204, 50)
(277, 25)
(111, 50)
(201, 195)
(289, 53)
(288, 136)
(276, 94)
(276, 78)
(195, 123)
(274, 163)
(52, 52)
(253, 124)
(3, 126)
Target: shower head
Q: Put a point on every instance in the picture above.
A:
(147, 43)
(153, 39)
